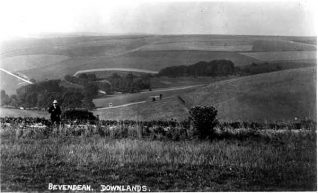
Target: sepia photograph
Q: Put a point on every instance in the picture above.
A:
(158, 96)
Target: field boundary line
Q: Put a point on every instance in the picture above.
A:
(115, 69)
(10, 73)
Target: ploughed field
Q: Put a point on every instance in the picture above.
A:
(241, 157)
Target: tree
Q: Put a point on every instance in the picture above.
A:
(90, 90)
(83, 76)
(42, 99)
(129, 81)
(14, 100)
(116, 82)
(91, 77)
(212, 68)
(72, 99)
(31, 99)
(5, 100)
(67, 77)
(88, 104)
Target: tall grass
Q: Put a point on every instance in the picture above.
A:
(162, 155)
(286, 162)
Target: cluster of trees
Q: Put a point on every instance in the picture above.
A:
(129, 83)
(265, 67)
(226, 67)
(212, 68)
(83, 79)
(115, 83)
(41, 95)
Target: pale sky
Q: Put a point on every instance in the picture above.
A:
(280, 17)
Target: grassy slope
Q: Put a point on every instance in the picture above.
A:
(281, 95)
(272, 96)
(159, 85)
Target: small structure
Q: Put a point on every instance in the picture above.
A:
(156, 98)
(102, 92)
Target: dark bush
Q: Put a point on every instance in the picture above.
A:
(204, 120)
(82, 115)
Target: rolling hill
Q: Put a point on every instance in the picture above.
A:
(276, 96)
(148, 60)
(55, 56)
(281, 95)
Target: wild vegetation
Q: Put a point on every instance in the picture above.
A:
(39, 95)
(241, 156)
(265, 67)
(76, 92)
(212, 68)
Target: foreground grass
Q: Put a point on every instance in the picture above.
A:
(286, 162)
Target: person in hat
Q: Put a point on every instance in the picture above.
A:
(55, 111)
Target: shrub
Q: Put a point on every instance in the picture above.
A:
(75, 114)
(204, 120)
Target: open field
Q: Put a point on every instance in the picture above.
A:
(28, 62)
(10, 83)
(166, 109)
(166, 82)
(143, 96)
(216, 45)
(280, 56)
(73, 46)
(283, 162)
(281, 95)
(283, 45)
(7, 112)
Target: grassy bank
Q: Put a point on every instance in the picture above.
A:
(286, 162)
